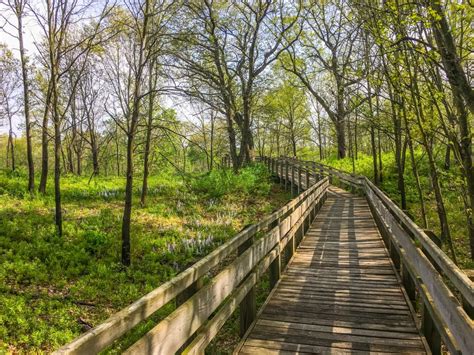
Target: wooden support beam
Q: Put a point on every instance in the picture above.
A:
(275, 271)
(430, 332)
(248, 306)
(299, 179)
(409, 284)
(293, 180)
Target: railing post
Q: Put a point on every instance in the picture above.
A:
(248, 306)
(286, 174)
(395, 256)
(321, 175)
(292, 180)
(430, 332)
(299, 179)
(307, 178)
(275, 266)
(409, 284)
(183, 297)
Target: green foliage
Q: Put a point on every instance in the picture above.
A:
(249, 181)
(51, 287)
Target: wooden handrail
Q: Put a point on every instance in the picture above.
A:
(453, 324)
(231, 285)
(459, 279)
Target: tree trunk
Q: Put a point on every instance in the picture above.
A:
(10, 145)
(320, 138)
(374, 155)
(341, 139)
(127, 212)
(117, 151)
(57, 179)
(44, 143)
(128, 203)
(147, 153)
(26, 103)
(380, 156)
(447, 157)
(449, 56)
(70, 158)
(44, 155)
(232, 142)
(415, 171)
(211, 163)
(95, 157)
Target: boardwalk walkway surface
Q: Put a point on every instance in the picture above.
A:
(339, 293)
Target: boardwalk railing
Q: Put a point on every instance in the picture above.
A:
(202, 309)
(430, 278)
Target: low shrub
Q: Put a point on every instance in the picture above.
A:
(253, 179)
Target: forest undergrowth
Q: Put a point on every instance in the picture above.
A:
(53, 289)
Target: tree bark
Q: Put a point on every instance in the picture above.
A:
(127, 212)
(10, 145)
(341, 139)
(44, 143)
(148, 139)
(26, 98)
(449, 56)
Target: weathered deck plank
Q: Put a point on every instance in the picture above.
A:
(339, 293)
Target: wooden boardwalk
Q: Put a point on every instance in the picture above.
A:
(339, 294)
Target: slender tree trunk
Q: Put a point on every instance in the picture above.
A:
(232, 142)
(57, 179)
(440, 207)
(127, 212)
(379, 145)
(11, 148)
(79, 162)
(26, 101)
(147, 147)
(320, 138)
(211, 164)
(95, 157)
(447, 157)
(44, 143)
(70, 158)
(356, 148)
(449, 56)
(10, 142)
(372, 138)
(397, 131)
(117, 151)
(44, 155)
(128, 203)
(380, 156)
(374, 155)
(415, 171)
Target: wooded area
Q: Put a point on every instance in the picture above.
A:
(137, 103)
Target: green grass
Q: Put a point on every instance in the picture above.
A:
(52, 288)
(451, 184)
